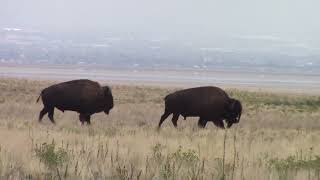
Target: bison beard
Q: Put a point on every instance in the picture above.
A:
(207, 103)
(83, 96)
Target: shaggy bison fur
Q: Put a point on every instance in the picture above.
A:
(83, 96)
(208, 103)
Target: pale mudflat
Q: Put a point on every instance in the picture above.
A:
(241, 79)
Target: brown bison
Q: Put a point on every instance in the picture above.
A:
(208, 103)
(83, 96)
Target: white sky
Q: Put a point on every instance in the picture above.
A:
(283, 18)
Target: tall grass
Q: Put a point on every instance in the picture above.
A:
(278, 137)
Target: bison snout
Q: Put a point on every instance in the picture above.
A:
(238, 118)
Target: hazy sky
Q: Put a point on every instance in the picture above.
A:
(191, 17)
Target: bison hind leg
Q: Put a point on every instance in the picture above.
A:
(163, 117)
(88, 117)
(42, 113)
(50, 115)
(174, 120)
(84, 118)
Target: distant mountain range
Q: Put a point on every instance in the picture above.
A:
(251, 53)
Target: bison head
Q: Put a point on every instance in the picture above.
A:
(233, 112)
(108, 99)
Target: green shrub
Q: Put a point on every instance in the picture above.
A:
(294, 163)
(51, 156)
(286, 168)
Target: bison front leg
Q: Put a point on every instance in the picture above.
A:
(202, 123)
(229, 124)
(82, 118)
(219, 123)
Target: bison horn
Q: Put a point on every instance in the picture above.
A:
(106, 90)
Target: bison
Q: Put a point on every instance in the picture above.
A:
(83, 96)
(208, 103)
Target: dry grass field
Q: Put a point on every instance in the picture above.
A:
(278, 137)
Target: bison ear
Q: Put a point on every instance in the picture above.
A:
(106, 90)
(235, 106)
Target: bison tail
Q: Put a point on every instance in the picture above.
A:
(38, 98)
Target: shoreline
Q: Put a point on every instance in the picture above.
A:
(170, 78)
